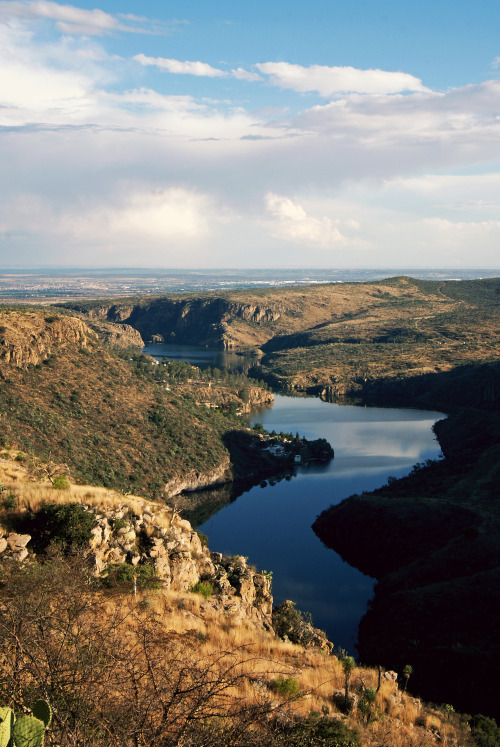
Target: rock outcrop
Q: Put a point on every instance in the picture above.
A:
(118, 335)
(13, 545)
(161, 539)
(206, 321)
(195, 480)
(31, 338)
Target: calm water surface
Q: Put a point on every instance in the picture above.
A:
(272, 524)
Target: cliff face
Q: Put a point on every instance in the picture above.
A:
(198, 321)
(194, 480)
(32, 337)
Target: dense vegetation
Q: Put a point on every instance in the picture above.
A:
(111, 420)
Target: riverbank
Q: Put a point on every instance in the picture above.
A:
(430, 540)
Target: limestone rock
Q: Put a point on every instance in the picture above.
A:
(17, 541)
(168, 544)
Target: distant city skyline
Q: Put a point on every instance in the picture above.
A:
(193, 134)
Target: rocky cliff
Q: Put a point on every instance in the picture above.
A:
(159, 538)
(31, 338)
(209, 321)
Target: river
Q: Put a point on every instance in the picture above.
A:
(272, 524)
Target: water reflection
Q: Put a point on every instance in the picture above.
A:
(273, 525)
(203, 357)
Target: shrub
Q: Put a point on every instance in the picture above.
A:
(61, 482)
(204, 588)
(118, 574)
(68, 525)
(291, 623)
(287, 687)
(485, 731)
(322, 731)
(9, 502)
(119, 524)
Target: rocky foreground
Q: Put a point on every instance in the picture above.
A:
(206, 621)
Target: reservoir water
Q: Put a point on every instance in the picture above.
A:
(272, 524)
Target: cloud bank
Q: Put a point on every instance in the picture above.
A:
(111, 159)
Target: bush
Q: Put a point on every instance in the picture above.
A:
(9, 502)
(325, 731)
(204, 588)
(292, 624)
(287, 687)
(120, 524)
(68, 526)
(485, 731)
(61, 482)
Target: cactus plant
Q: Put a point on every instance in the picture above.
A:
(28, 731)
(7, 719)
(42, 711)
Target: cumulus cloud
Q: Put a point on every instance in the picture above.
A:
(329, 81)
(141, 215)
(294, 223)
(358, 170)
(69, 19)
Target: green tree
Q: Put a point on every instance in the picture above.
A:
(407, 672)
(348, 665)
(68, 525)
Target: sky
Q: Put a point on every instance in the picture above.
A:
(207, 133)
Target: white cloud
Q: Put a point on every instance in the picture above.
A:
(240, 74)
(69, 19)
(210, 174)
(139, 216)
(294, 223)
(329, 81)
(188, 67)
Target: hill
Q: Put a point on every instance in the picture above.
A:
(328, 338)
(115, 418)
(431, 540)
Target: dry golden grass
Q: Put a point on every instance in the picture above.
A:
(31, 495)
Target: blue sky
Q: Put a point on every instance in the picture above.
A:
(227, 134)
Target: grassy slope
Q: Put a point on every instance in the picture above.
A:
(107, 419)
(407, 327)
